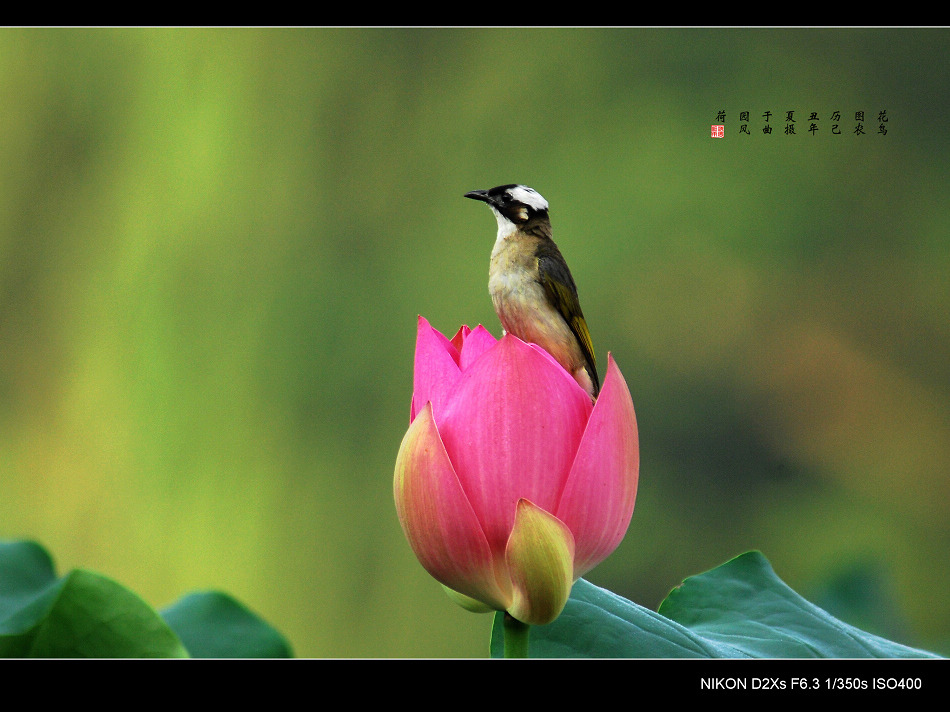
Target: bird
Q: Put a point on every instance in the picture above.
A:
(531, 286)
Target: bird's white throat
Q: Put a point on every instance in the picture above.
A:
(505, 226)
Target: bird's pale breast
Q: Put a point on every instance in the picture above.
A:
(523, 307)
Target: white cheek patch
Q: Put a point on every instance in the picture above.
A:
(528, 196)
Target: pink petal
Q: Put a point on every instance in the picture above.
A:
(438, 520)
(511, 429)
(567, 376)
(476, 343)
(460, 337)
(602, 487)
(436, 368)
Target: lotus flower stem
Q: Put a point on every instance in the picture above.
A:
(516, 637)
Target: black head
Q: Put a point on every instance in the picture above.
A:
(517, 203)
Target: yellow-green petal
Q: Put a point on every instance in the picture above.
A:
(540, 556)
(467, 602)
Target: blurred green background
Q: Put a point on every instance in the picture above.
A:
(214, 244)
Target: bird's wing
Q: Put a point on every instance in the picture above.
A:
(561, 290)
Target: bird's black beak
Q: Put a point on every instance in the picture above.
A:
(478, 195)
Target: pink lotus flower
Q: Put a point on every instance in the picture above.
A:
(510, 484)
